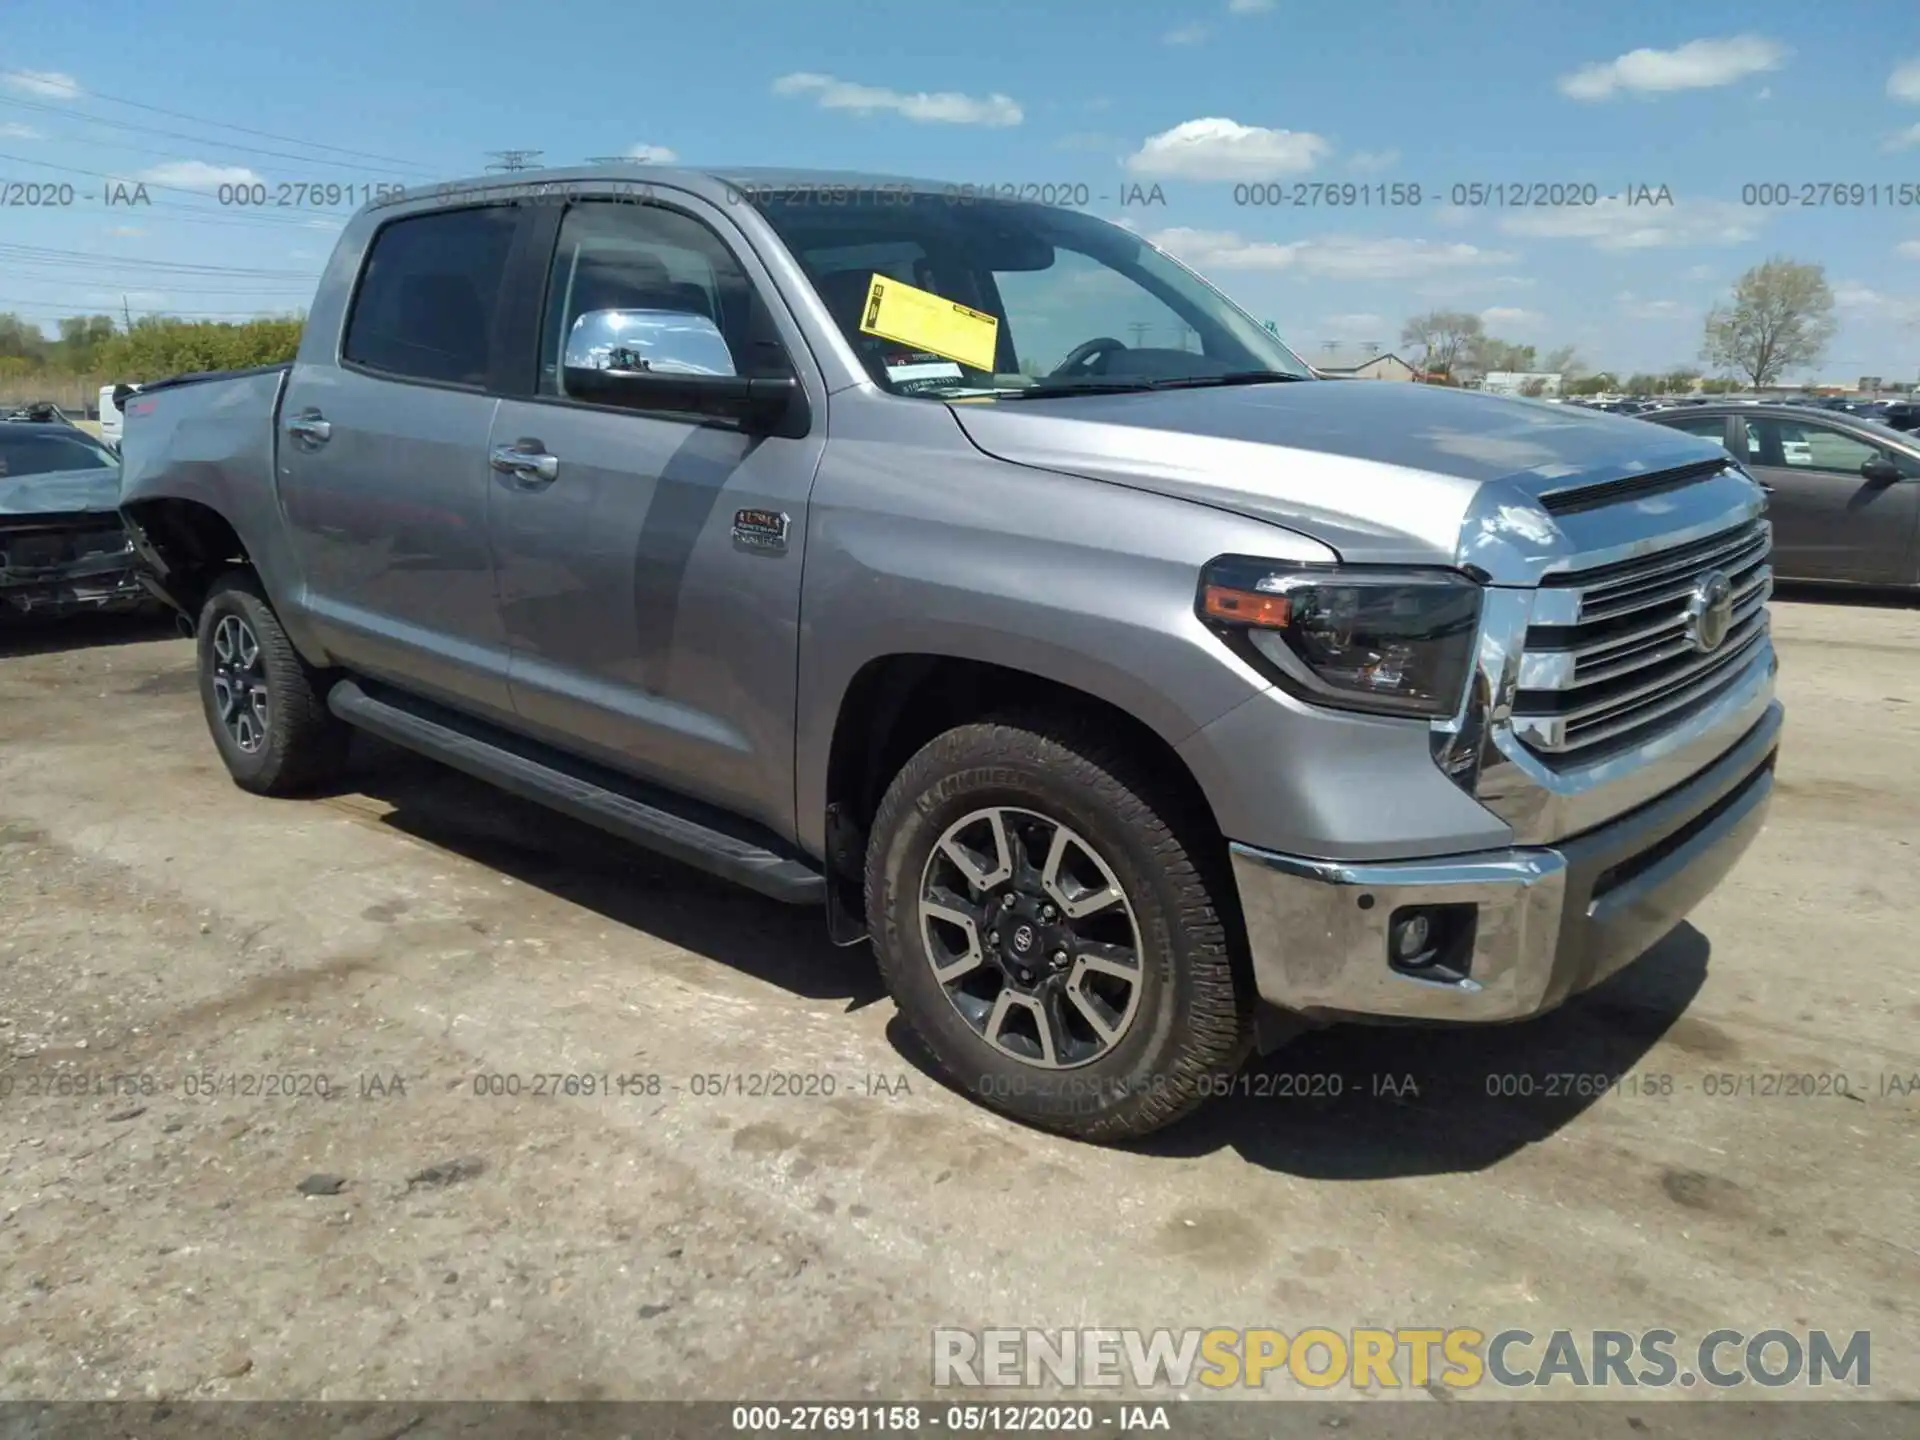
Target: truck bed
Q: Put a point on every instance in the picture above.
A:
(210, 435)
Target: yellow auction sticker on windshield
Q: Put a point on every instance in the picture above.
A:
(930, 322)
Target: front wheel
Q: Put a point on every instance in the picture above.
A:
(1048, 922)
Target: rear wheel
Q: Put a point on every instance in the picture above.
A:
(1047, 921)
(265, 706)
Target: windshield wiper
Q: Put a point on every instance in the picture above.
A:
(1232, 377)
(1043, 391)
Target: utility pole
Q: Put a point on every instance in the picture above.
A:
(1139, 329)
(127, 312)
(514, 159)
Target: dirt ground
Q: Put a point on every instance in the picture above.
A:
(185, 968)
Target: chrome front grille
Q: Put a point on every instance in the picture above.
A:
(1617, 652)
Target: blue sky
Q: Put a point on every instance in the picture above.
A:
(1197, 96)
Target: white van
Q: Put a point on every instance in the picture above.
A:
(110, 417)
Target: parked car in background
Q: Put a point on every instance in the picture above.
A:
(1136, 701)
(1902, 415)
(111, 419)
(1843, 491)
(63, 546)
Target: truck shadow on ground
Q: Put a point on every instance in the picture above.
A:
(1416, 1101)
(783, 945)
(1359, 1102)
(1350, 1102)
(37, 635)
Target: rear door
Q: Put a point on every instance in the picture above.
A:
(1830, 522)
(383, 461)
(650, 577)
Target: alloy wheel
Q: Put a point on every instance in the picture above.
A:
(1031, 936)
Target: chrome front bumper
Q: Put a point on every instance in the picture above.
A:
(1538, 923)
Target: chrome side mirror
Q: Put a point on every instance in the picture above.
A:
(647, 342)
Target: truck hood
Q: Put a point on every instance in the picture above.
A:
(60, 492)
(1382, 472)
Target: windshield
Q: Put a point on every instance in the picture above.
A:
(1049, 300)
(41, 452)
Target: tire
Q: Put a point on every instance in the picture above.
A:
(1183, 1025)
(300, 743)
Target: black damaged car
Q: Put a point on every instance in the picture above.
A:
(63, 547)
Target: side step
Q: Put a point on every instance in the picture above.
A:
(580, 790)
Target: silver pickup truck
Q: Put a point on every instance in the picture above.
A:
(977, 572)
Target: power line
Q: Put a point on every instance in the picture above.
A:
(149, 184)
(265, 311)
(227, 125)
(511, 160)
(39, 254)
(198, 139)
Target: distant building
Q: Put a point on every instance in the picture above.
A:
(1380, 367)
(1520, 382)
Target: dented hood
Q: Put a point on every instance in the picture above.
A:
(1379, 470)
(60, 492)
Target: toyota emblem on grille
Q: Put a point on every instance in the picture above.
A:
(1710, 612)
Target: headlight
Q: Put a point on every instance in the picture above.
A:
(1396, 642)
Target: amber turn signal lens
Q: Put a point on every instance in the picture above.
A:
(1247, 607)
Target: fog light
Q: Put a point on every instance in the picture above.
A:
(1410, 937)
(1432, 942)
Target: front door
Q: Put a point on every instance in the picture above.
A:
(1831, 522)
(650, 570)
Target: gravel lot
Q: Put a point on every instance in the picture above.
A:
(418, 933)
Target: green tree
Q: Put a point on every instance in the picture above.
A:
(1564, 362)
(1779, 319)
(1642, 384)
(1443, 338)
(1489, 354)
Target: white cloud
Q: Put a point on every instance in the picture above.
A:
(1852, 295)
(1616, 225)
(47, 84)
(1766, 93)
(1634, 308)
(198, 175)
(652, 154)
(1904, 139)
(1696, 65)
(1361, 326)
(1186, 35)
(1249, 7)
(1216, 149)
(126, 230)
(1507, 317)
(945, 107)
(1339, 256)
(1904, 83)
(13, 130)
(1908, 248)
(1697, 272)
(1371, 162)
(1453, 216)
(325, 224)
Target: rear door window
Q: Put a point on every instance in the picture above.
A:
(429, 295)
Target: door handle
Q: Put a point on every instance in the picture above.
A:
(525, 464)
(1764, 486)
(310, 427)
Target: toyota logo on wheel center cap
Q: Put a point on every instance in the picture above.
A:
(1710, 612)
